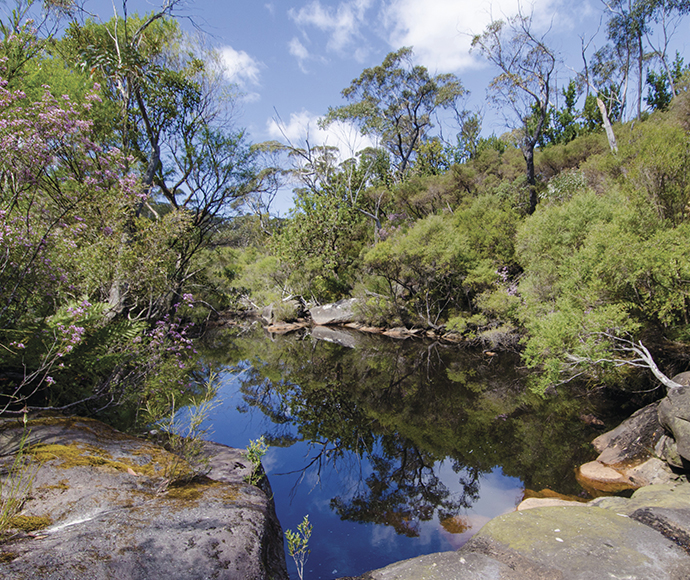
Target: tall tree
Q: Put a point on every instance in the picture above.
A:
(666, 14)
(172, 121)
(395, 102)
(628, 23)
(527, 65)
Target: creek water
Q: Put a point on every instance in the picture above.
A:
(393, 448)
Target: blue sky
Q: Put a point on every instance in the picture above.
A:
(294, 57)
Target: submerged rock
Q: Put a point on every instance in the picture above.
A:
(110, 514)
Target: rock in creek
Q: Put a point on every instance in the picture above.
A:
(105, 512)
(645, 447)
(627, 456)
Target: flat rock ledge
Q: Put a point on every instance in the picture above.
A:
(100, 508)
(645, 537)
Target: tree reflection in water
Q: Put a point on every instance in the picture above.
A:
(391, 410)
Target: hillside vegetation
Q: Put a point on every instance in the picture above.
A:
(131, 208)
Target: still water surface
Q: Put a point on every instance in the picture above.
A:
(393, 448)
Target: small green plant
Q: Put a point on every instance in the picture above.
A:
(298, 545)
(16, 484)
(184, 437)
(255, 452)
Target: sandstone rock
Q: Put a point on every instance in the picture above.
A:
(666, 508)
(626, 456)
(398, 332)
(285, 327)
(446, 566)
(668, 449)
(597, 477)
(339, 312)
(536, 502)
(113, 516)
(683, 378)
(579, 542)
(364, 328)
(632, 440)
(654, 471)
(267, 313)
(575, 542)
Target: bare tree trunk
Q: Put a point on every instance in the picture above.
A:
(607, 126)
(640, 72)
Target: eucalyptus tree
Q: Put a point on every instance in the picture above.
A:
(394, 102)
(524, 84)
(627, 25)
(667, 15)
(630, 24)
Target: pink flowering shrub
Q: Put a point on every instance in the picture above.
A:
(69, 226)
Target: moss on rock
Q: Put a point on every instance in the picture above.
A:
(30, 523)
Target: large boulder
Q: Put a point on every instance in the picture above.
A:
(340, 312)
(102, 507)
(632, 440)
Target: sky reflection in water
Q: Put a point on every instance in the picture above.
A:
(346, 548)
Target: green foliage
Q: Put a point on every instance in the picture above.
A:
(563, 186)
(659, 94)
(432, 158)
(298, 544)
(443, 261)
(255, 453)
(377, 310)
(657, 164)
(182, 430)
(602, 266)
(101, 121)
(320, 245)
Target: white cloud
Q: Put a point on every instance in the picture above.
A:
(303, 126)
(299, 51)
(341, 23)
(441, 30)
(239, 67)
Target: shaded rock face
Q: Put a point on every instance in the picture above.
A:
(641, 538)
(113, 517)
(674, 416)
(339, 312)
